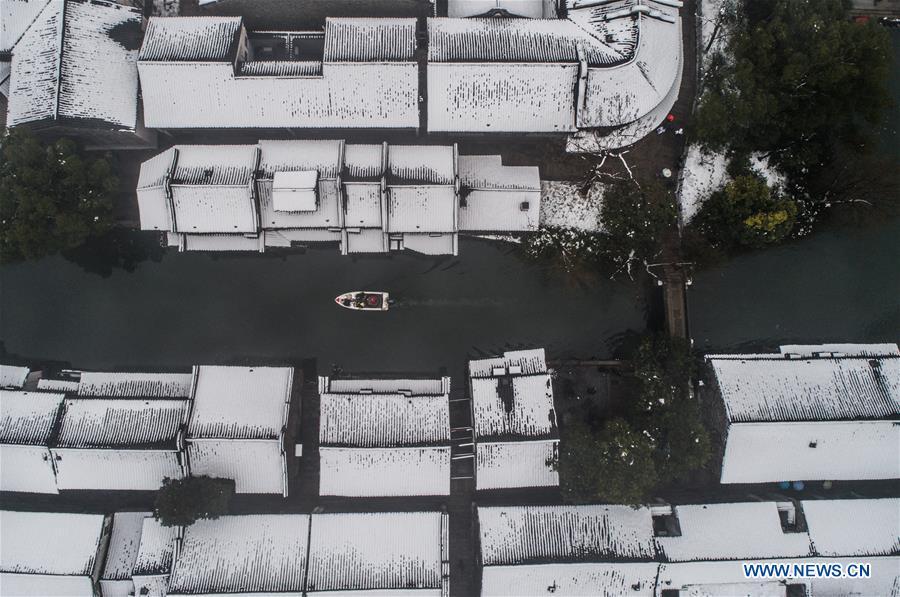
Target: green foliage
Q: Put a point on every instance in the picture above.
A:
(614, 464)
(181, 502)
(53, 197)
(746, 212)
(798, 79)
(658, 436)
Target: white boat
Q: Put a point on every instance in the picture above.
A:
(364, 300)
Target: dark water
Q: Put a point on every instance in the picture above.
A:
(835, 285)
(199, 308)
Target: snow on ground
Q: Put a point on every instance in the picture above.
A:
(760, 164)
(564, 206)
(705, 173)
(702, 175)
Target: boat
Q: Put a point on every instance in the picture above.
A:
(364, 300)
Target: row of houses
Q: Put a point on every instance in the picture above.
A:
(612, 66)
(652, 551)
(131, 553)
(365, 198)
(689, 550)
(808, 413)
(130, 431)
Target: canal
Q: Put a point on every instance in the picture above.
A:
(202, 308)
(838, 284)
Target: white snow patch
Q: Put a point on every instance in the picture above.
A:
(760, 164)
(703, 174)
(564, 206)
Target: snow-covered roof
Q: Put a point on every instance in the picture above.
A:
(715, 579)
(421, 164)
(623, 579)
(369, 40)
(740, 531)
(15, 18)
(844, 349)
(242, 554)
(513, 406)
(323, 156)
(383, 420)
(256, 466)
(543, 534)
(387, 551)
(123, 545)
(411, 387)
(27, 468)
(607, 64)
(240, 402)
(366, 81)
(13, 377)
(114, 423)
(135, 385)
(498, 197)
(530, 361)
(28, 417)
(854, 527)
(56, 73)
(421, 209)
(375, 472)
(828, 450)
(503, 465)
(50, 543)
(775, 388)
(506, 40)
(194, 39)
(57, 385)
(119, 469)
(154, 555)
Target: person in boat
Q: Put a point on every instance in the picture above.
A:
(361, 300)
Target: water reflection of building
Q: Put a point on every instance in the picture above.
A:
(366, 198)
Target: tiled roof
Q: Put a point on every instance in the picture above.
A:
(257, 466)
(531, 361)
(122, 469)
(817, 389)
(49, 543)
(421, 209)
(829, 450)
(515, 406)
(13, 377)
(123, 545)
(154, 555)
(240, 402)
(191, 39)
(513, 40)
(135, 385)
(55, 73)
(504, 465)
(369, 40)
(28, 417)
(381, 420)
(111, 423)
(634, 579)
(15, 17)
(740, 531)
(421, 164)
(854, 527)
(246, 554)
(323, 157)
(375, 551)
(227, 165)
(375, 472)
(413, 387)
(540, 534)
